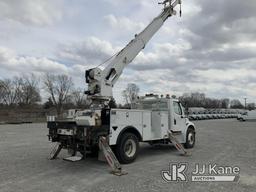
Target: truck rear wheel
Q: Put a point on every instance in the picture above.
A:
(190, 138)
(127, 148)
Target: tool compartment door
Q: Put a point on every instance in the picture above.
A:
(160, 124)
(146, 126)
(164, 124)
(156, 125)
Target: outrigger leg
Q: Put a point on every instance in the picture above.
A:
(110, 157)
(178, 145)
(55, 151)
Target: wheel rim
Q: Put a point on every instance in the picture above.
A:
(130, 148)
(191, 138)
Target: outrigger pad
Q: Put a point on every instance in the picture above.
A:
(119, 173)
(73, 158)
(187, 154)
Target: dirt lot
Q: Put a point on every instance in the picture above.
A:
(24, 165)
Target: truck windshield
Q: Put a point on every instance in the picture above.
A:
(153, 105)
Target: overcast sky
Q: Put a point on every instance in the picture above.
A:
(211, 48)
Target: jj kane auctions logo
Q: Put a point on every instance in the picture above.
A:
(177, 172)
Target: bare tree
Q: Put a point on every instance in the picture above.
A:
(225, 103)
(9, 90)
(236, 104)
(200, 100)
(59, 88)
(29, 92)
(2, 91)
(78, 97)
(130, 94)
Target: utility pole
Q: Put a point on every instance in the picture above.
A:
(245, 102)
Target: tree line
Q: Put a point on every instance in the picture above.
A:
(26, 91)
(200, 100)
(188, 100)
(20, 91)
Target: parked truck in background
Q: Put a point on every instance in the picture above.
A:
(247, 116)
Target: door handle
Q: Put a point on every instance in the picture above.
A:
(174, 121)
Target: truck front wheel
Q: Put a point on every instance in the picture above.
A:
(127, 148)
(190, 138)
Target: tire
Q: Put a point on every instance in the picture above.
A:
(190, 138)
(127, 148)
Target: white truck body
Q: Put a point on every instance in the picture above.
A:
(152, 124)
(152, 121)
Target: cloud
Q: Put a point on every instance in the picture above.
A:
(91, 51)
(235, 83)
(124, 2)
(165, 55)
(123, 23)
(211, 48)
(32, 12)
(12, 64)
(218, 23)
(9, 61)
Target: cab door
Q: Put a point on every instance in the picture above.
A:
(178, 120)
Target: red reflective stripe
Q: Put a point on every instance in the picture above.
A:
(109, 160)
(177, 145)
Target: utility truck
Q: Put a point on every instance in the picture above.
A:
(154, 119)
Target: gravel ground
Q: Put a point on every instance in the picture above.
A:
(24, 165)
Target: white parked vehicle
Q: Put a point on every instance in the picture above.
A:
(249, 115)
(155, 120)
(239, 116)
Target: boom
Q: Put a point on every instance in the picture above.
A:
(100, 82)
